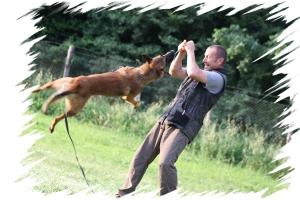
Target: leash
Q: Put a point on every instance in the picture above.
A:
(66, 73)
(75, 152)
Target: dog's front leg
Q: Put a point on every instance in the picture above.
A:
(134, 100)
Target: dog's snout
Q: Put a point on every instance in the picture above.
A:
(170, 56)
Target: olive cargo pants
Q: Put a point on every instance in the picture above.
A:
(163, 139)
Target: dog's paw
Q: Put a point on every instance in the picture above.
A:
(51, 129)
(137, 105)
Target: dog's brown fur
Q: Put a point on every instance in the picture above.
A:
(127, 82)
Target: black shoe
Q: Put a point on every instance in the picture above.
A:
(123, 192)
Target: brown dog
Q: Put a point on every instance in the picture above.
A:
(127, 82)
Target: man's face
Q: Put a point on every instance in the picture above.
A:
(211, 59)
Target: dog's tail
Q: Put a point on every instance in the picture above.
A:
(43, 87)
(54, 97)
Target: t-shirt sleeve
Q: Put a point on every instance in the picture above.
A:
(215, 82)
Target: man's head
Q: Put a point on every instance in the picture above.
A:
(215, 57)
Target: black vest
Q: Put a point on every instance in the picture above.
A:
(190, 105)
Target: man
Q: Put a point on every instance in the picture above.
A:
(183, 118)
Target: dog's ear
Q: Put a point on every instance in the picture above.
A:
(146, 59)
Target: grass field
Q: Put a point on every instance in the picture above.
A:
(105, 155)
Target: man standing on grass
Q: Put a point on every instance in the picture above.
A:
(199, 91)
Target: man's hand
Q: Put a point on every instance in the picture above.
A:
(189, 46)
(181, 47)
(176, 69)
(192, 69)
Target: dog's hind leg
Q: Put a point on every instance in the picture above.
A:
(74, 103)
(58, 119)
(54, 97)
(55, 121)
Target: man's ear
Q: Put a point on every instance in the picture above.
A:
(146, 59)
(221, 61)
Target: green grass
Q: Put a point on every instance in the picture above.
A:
(105, 154)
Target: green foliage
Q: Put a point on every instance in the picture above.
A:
(246, 110)
(227, 143)
(242, 49)
(120, 115)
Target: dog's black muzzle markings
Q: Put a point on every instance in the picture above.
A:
(170, 55)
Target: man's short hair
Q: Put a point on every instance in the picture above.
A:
(221, 52)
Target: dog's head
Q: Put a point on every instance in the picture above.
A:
(157, 64)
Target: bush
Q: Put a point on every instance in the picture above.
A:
(245, 110)
(226, 142)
